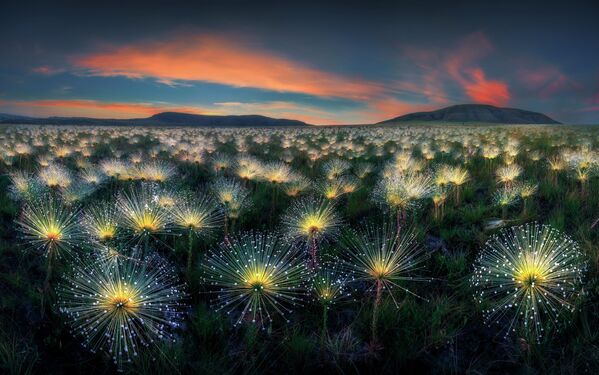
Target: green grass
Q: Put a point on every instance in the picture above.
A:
(441, 333)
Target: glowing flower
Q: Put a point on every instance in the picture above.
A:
(122, 307)
(527, 276)
(256, 276)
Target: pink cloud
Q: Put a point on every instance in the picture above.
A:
(546, 80)
(47, 70)
(460, 65)
(225, 61)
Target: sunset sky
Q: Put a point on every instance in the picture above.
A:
(323, 64)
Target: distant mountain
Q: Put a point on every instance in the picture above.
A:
(176, 118)
(5, 117)
(476, 113)
(159, 119)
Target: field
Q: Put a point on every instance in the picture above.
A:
(433, 249)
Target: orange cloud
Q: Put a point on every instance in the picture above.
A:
(92, 108)
(385, 109)
(486, 91)
(123, 110)
(460, 65)
(223, 61)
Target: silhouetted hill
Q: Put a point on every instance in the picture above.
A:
(476, 113)
(161, 119)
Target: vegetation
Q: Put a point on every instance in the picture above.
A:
(438, 249)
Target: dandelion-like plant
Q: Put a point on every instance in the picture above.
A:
(329, 287)
(335, 168)
(526, 277)
(400, 192)
(142, 215)
(156, 171)
(508, 174)
(526, 190)
(100, 221)
(55, 176)
(232, 197)
(457, 176)
(385, 261)
(199, 216)
(50, 227)
(277, 174)
(505, 197)
(123, 305)
(297, 185)
(311, 220)
(256, 276)
(23, 186)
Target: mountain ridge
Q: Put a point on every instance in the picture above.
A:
(159, 119)
(460, 113)
(475, 113)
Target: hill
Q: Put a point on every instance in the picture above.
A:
(476, 113)
(159, 119)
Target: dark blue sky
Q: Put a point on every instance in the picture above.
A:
(351, 62)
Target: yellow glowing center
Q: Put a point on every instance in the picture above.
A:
(258, 282)
(530, 276)
(226, 196)
(312, 224)
(395, 200)
(123, 301)
(53, 235)
(379, 271)
(326, 294)
(106, 233)
(148, 223)
(192, 222)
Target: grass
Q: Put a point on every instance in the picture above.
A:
(444, 333)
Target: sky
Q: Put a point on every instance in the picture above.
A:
(335, 63)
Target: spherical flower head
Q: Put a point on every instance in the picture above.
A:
(122, 305)
(526, 277)
(49, 225)
(142, 213)
(509, 173)
(382, 258)
(256, 276)
(330, 284)
(311, 219)
(100, 221)
(197, 213)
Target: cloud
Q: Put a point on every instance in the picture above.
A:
(119, 110)
(385, 109)
(221, 60)
(546, 80)
(91, 108)
(47, 70)
(482, 90)
(592, 104)
(461, 65)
